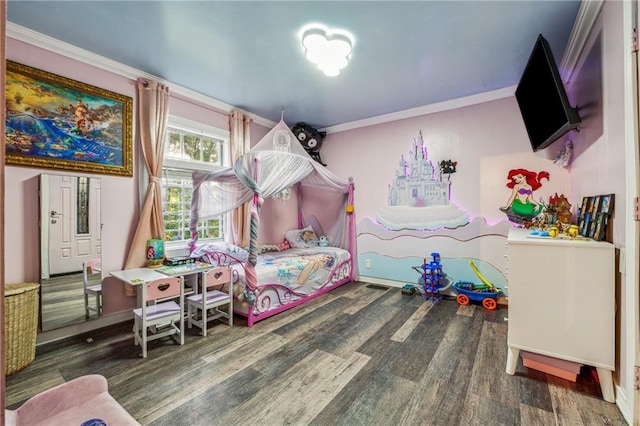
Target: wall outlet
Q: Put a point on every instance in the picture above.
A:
(367, 263)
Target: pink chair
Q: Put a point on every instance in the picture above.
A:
(92, 267)
(72, 403)
(160, 315)
(214, 280)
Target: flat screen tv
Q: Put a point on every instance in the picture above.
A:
(543, 100)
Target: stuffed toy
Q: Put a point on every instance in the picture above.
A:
(284, 245)
(323, 242)
(311, 140)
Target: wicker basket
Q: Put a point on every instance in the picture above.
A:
(20, 325)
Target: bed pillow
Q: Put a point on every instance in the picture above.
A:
(236, 251)
(211, 253)
(302, 238)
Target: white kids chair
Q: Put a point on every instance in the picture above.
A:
(160, 315)
(89, 268)
(212, 297)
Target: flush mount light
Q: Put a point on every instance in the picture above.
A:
(329, 50)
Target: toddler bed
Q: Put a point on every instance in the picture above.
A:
(285, 278)
(269, 282)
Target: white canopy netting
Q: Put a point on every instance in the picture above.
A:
(274, 167)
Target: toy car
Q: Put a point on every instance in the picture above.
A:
(467, 292)
(409, 289)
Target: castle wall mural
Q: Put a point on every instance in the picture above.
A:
(416, 183)
(419, 194)
(420, 218)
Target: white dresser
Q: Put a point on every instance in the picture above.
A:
(562, 302)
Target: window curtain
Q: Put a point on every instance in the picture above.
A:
(152, 113)
(240, 135)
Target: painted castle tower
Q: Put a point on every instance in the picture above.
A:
(416, 184)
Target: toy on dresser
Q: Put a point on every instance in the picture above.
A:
(555, 220)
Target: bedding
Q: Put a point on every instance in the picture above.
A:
(285, 278)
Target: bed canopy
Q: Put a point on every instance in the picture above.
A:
(276, 166)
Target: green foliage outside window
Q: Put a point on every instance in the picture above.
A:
(190, 149)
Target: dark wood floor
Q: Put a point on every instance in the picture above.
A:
(360, 355)
(63, 300)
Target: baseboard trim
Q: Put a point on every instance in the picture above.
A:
(381, 281)
(83, 327)
(623, 406)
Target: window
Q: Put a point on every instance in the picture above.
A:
(190, 147)
(82, 203)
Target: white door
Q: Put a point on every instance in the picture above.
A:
(73, 216)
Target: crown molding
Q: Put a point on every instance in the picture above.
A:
(56, 46)
(479, 98)
(585, 21)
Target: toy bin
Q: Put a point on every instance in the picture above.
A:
(20, 325)
(558, 367)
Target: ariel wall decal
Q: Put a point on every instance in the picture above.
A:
(522, 206)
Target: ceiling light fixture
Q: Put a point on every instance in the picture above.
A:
(329, 50)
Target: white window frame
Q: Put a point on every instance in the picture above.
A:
(193, 127)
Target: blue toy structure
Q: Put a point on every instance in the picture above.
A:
(431, 278)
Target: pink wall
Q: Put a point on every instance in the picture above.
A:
(120, 197)
(600, 166)
(119, 194)
(487, 140)
(276, 218)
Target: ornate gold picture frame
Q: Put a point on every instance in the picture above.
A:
(58, 123)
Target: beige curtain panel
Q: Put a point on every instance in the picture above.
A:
(240, 135)
(152, 113)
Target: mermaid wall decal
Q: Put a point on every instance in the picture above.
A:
(522, 207)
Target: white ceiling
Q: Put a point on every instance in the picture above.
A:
(248, 54)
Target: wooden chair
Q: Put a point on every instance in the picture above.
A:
(92, 267)
(160, 315)
(213, 296)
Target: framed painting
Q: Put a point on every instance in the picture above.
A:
(58, 123)
(601, 227)
(584, 225)
(593, 223)
(606, 206)
(582, 210)
(597, 200)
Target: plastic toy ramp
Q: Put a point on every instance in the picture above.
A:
(479, 274)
